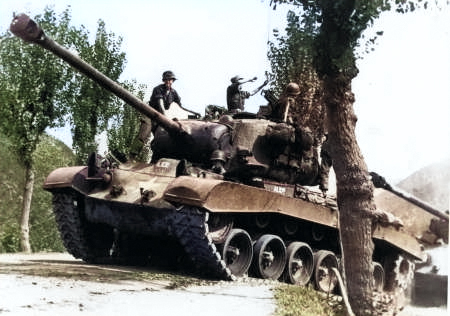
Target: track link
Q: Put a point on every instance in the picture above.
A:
(190, 226)
(69, 224)
(87, 241)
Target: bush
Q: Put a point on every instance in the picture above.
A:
(10, 238)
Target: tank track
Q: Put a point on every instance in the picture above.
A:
(190, 226)
(400, 274)
(90, 243)
(69, 224)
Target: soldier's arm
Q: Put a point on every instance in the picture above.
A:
(177, 98)
(259, 88)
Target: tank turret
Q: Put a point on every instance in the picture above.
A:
(251, 147)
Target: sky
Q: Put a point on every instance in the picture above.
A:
(402, 90)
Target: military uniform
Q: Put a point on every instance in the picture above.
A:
(296, 157)
(168, 95)
(162, 97)
(235, 96)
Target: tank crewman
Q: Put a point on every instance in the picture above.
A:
(236, 96)
(163, 95)
(301, 154)
(286, 105)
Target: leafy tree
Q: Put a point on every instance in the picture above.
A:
(330, 31)
(39, 91)
(125, 125)
(94, 105)
(291, 58)
(33, 96)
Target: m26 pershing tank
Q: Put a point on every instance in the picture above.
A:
(231, 194)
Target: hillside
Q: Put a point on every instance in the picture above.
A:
(430, 184)
(50, 154)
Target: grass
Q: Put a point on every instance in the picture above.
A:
(305, 301)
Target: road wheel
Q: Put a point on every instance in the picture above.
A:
(269, 257)
(219, 227)
(237, 251)
(324, 278)
(299, 264)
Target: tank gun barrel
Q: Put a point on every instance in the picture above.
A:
(380, 182)
(24, 27)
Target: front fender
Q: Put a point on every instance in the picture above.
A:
(62, 177)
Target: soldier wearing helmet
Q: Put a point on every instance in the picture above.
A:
(300, 154)
(286, 105)
(163, 95)
(236, 96)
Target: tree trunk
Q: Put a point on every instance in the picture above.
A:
(354, 193)
(25, 220)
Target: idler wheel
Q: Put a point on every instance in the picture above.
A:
(219, 227)
(378, 277)
(299, 264)
(324, 278)
(269, 257)
(237, 251)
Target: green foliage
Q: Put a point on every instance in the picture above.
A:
(291, 57)
(38, 91)
(50, 154)
(125, 123)
(33, 85)
(34, 92)
(94, 106)
(12, 179)
(9, 238)
(291, 54)
(335, 29)
(304, 301)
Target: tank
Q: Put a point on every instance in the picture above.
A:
(430, 226)
(424, 221)
(221, 195)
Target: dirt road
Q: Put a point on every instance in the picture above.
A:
(57, 284)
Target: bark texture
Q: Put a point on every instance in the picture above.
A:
(26, 208)
(354, 193)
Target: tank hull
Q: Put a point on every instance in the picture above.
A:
(151, 203)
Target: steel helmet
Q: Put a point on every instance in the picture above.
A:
(218, 155)
(236, 79)
(293, 89)
(167, 75)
